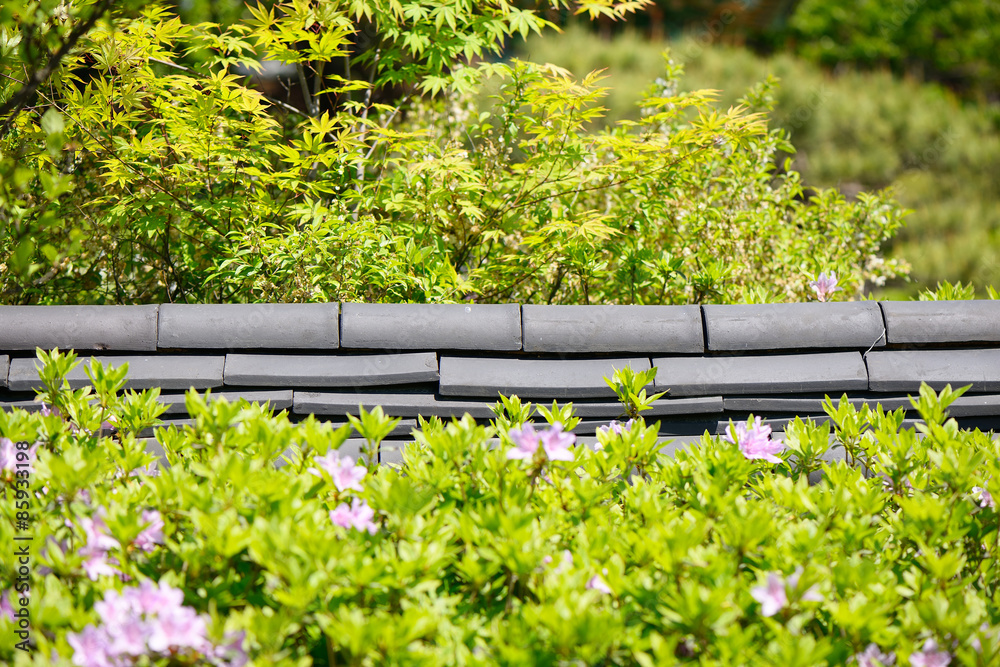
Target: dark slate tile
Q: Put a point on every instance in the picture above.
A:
(277, 400)
(312, 326)
(942, 321)
(808, 405)
(777, 424)
(780, 374)
(26, 405)
(4, 369)
(663, 407)
(402, 429)
(394, 405)
(286, 370)
(125, 328)
(975, 406)
(430, 326)
(153, 446)
(350, 447)
(164, 371)
(391, 451)
(789, 326)
(904, 370)
(179, 424)
(531, 378)
(615, 329)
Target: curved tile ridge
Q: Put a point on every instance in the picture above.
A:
(313, 326)
(718, 362)
(904, 370)
(834, 372)
(111, 328)
(942, 321)
(613, 329)
(532, 378)
(431, 326)
(791, 326)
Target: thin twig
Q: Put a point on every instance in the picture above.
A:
(306, 96)
(188, 70)
(26, 95)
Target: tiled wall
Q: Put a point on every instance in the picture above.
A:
(717, 362)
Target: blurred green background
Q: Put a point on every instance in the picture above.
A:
(900, 93)
(903, 93)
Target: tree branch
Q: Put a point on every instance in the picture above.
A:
(26, 95)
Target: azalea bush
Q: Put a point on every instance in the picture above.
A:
(409, 165)
(258, 541)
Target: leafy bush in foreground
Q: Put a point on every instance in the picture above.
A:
(501, 544)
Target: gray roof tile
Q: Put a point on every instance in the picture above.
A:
(145, 372)
(280, 399)
(313, 326)
(394, 405)
(777, 374)
(114, 328)
(942, 321)
(288, 370)
(431, 326)
(808, 405)
(904, 370)
(531, 378)
(615, 329)
(790, 326)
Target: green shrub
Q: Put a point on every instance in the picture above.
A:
(852, 131)
(488, 546)
(181, 184)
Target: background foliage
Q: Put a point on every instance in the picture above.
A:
(145, 170)
(855, 131)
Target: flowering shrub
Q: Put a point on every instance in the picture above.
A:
(467, 554)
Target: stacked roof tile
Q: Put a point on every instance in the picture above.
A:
(717, 363)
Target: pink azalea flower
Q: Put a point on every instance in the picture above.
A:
(151, 598)
(6, 608)
(96, 532)
(231, 652)
(128, 636)
(178, 627)
(983, 497)
(595, 583)
(91, 648)
(358, 516)
(792, 583)
(151, 534)
(150, 620)
(771, 596)
(930, 656)
(525, 442)
(96, 563)
(755, 442)
(975, 643)
(872, 656)
(825, 285)
(46, 411)
(616, 427)
(345, 474)
(554, 443)
(95, 551)
(8, 456)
